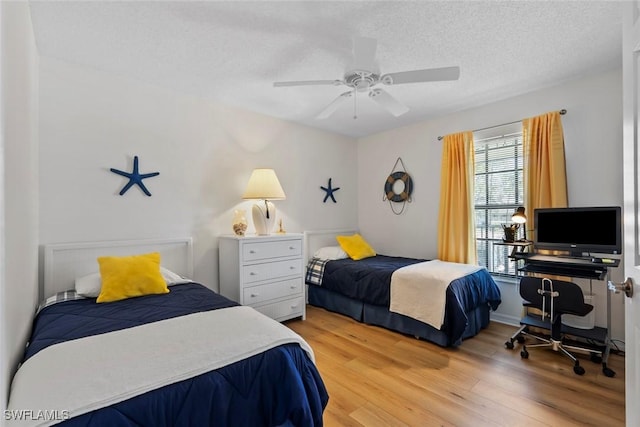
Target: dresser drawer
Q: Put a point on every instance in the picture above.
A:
(256, 251)
(272, 270)
(270, 291)
(283, 310)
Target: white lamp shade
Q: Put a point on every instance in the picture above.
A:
(264, 184)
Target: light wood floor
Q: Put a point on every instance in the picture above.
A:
(377, 377)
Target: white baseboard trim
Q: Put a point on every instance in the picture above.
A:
(506, 319)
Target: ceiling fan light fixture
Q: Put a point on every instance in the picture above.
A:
(362, 86)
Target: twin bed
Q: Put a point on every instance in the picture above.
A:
(186, 357)
(362, 290)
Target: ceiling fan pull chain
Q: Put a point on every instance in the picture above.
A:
(355, 104)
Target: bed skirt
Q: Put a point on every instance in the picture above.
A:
(376, 315)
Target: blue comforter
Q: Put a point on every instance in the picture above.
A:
(278, 387)
(369, 280)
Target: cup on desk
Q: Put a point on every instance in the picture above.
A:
(510, 232)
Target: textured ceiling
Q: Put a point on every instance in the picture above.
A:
(232, 52)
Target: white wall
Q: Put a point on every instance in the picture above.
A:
(92, 121)
(18, 194)
(593, 144)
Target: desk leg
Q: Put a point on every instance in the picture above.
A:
(607, 349)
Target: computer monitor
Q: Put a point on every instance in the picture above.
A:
(579, 230)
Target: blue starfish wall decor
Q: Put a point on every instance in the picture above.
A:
(135, 178)
(329, 192)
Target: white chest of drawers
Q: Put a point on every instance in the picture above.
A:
(264, 272)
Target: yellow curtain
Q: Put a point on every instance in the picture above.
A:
(545, 177)
(456, 224)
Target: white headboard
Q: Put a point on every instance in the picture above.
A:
(317, 239)
(64, 262)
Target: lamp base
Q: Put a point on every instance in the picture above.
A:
(262, 224)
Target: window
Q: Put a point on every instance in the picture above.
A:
(498, 193)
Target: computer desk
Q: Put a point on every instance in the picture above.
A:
(577, 267)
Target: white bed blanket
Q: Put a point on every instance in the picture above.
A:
(419, 290)
(82, 375)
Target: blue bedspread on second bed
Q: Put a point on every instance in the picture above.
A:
(278, 387)
(369, 279)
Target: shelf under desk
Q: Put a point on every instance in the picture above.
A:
(598, 334)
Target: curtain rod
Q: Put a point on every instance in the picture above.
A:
(562, 113)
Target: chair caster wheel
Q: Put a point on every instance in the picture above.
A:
(524, 354)
(608, 372)
(509, 345)
(579, 370)
(596, 358)
(520, 339)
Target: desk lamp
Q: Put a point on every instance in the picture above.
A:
(520, 218)
(264, 186)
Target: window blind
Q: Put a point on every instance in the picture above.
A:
(499, 190)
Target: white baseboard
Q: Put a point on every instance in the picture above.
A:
(506, 319)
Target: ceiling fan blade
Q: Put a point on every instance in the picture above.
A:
(418, 76)
(388, 102)
(364, 53)
(308, 83)
(335, 104)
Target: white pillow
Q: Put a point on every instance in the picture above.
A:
(330, 253)
(173, 278)
(89, 286)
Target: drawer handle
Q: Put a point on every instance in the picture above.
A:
(255, 295)
(291, 267)
(252, 251)
(292, 247)
(293, 286)
(253, 274)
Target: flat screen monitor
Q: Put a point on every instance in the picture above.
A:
(579, 230)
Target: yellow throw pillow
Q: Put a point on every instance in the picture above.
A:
(130, 276)
(355, 246)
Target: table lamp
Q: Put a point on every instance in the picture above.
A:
(520, 218)
(264, 186)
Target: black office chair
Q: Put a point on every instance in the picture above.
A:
(553, 298)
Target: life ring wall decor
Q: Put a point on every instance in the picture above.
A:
(406, 191)
(394, 194)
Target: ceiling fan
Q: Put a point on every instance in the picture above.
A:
(363, 75)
